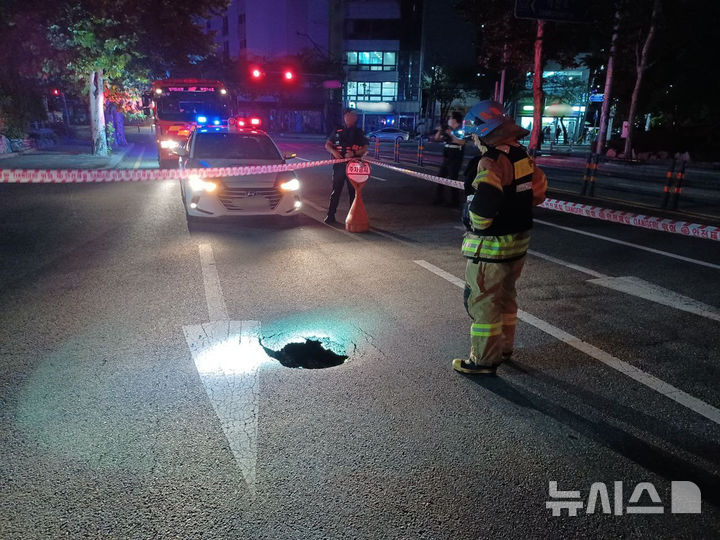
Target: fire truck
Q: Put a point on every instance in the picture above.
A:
(179, 105)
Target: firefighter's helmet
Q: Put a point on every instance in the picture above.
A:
(484, 117)
(489, 122)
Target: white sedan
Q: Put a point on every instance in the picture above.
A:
(256, 194)
(388, 134)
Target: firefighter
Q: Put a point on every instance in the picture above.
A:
(349, 141)
(498, 218)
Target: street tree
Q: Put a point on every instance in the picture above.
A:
(95, 48)
(643, 41)
(516, 46)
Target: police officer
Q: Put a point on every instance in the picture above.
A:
(499, 217)
(453, 150)
(349, 141)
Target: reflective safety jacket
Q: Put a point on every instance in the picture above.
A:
(507, 185)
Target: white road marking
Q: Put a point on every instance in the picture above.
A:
(649, 291)
(668, 390)
(301, 159)
(638, 287)
(138, 161)
(217, 310)
(378, 178)
(555, 260)
(630, 244)
(227, 355)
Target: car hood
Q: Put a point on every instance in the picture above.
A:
(264, 179)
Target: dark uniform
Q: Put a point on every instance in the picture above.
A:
(345, 140)
(450, 167)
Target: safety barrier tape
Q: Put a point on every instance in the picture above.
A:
(637, 220)
(61, 176)
(697, 230)
(429, 177)
(37, 176)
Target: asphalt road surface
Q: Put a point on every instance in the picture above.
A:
(136, 402)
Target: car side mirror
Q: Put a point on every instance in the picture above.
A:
(289, 155)
(181, 152)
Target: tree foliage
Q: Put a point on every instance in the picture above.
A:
(130, 41)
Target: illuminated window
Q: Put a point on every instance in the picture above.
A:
(372, 60)
(371, 91)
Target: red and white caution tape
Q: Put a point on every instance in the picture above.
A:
(637, 220)
(429, 177)
(73, 176)
(50, 176)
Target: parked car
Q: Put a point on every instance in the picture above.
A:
(256, 194)
(388, 134)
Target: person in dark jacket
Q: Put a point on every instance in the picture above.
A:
(344, 142)
(453, 150)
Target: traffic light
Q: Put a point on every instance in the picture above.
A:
(256, 74)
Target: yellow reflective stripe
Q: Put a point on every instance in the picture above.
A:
(479, 222)
(487, 177)
(523, 168)
(495, 247)
(486, 330)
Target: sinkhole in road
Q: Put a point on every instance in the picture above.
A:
(308, 354)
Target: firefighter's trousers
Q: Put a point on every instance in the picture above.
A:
(490, 300)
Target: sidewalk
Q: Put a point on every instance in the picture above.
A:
(70, 153)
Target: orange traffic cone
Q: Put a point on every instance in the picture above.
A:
(357, 218)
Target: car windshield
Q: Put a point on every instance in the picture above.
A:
(187, 106)
(235, 146)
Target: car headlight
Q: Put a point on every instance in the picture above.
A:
(198, 184)
(290, 185)
(169, 144)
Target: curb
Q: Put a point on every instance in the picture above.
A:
(117, 158)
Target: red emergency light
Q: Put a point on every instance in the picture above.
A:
(255, 121)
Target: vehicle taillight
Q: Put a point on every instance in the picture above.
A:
(240, 123)
(255, 121)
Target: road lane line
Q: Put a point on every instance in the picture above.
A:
(630, 244)
(667, 390)
(649, 291)
(227, 355)
(217, 311)
(138, 161)
(378, 178)
(579, 268)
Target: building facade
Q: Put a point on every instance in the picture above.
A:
(381, 56)
(376, 41)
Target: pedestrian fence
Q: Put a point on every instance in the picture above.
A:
(664, 192)
(55, 176)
